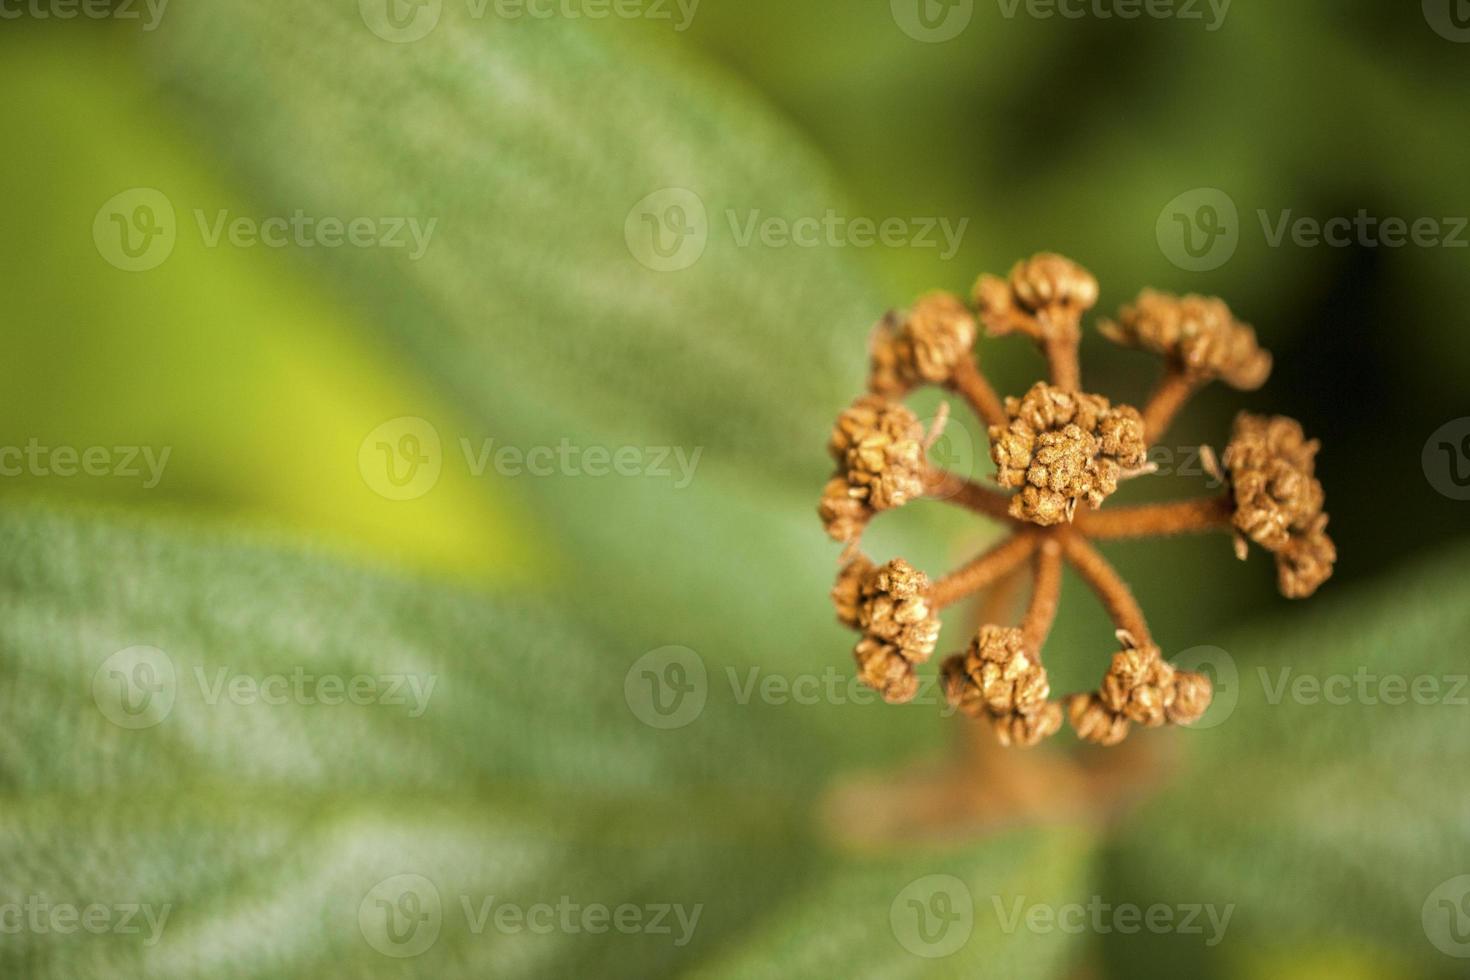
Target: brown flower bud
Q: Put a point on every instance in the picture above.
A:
(1044, 284)
(883, 667)
(843, 511)
(879, 448)
(1094, 722)
(1139, 686)
(997, 679)
(1064, 447)
(1192, 695)
(1198, 335)
(1306, 561)
(847, 594)
(888, 603)
(1028, 730)
(922, 347)
(1278, 499)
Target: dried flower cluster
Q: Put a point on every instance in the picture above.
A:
(1062, 452)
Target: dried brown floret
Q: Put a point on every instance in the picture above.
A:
(847, 594)
(1064, 447)
(1198, 335)
(922, 347)
(879, 448)
(843, 510)
(900, 627)
(1093, 721)
(883, 667)
(1278, 499)
(1192, 695)
(998, 680)
(1028, 730)
(1306, 561)
(1139, 686)
(1043, 293)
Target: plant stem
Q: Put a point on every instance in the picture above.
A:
(1063, 361)
(943, 485)
(969, 382)
(1110, 588)
(983, 571)
(1046, 592)
(1153, 520)
(1169, 397)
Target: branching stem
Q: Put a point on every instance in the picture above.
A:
(983, 571)
(1173, 391)
(1151, 520)
(1110, 588)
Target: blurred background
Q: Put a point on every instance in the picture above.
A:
(497, 343)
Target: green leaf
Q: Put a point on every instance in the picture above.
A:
(258, 822)
(1327, 803)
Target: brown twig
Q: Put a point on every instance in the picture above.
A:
(943, 485)
(1149, 520)
(1062, 359)
(1046, 592)
(982, 571)
(1110, 588)
(1173, 391)
(967, 381)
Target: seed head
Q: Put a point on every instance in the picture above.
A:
(1197, 335)
(879, 448)
(1278, 499)
(1064, 447)
(921, 347)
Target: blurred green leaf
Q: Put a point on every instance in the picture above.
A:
(1328, 804)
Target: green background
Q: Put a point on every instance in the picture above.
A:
(265, 547)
